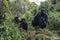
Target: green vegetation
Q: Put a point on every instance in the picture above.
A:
(11, 31)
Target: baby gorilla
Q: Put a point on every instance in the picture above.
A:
(40, 20)
(23, 24)
(16, 20)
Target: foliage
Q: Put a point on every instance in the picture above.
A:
(44, 5)
(27, 15)
(9, 17)
(8, 34)
(6, 5)
(57, 6)
(11, 31)
(54, 20)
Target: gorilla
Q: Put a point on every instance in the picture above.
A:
(23, 24)
(40, 19)
(16, 20)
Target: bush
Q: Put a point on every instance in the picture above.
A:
(10, 31)
(57, 6)
(54, 20)
(9, 17)
(27, 15)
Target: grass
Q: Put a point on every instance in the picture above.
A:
(11, 31)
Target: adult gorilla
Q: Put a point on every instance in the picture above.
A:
(40, 20)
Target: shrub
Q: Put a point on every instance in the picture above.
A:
(54, 20)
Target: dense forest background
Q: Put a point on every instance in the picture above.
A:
(26, 9)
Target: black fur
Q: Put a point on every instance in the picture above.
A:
(40, 19)
(16, 20)
(23, 24)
